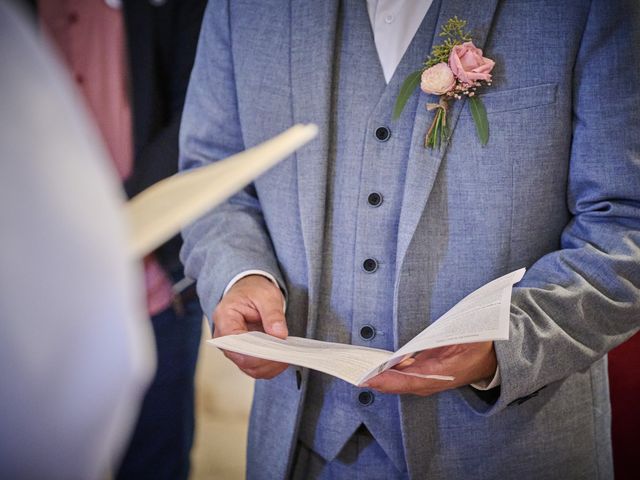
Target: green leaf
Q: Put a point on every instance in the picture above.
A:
(408, 86)
(479, 114)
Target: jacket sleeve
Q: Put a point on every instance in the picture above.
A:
(233, 237)
(578, 302)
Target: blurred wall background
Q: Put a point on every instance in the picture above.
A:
(223, 400)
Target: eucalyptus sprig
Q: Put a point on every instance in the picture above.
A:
(454, 34)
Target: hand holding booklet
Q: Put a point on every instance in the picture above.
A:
(483, 315)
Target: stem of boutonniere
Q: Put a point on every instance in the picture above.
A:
(438, 133)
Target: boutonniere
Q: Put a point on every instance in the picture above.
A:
(455, 69)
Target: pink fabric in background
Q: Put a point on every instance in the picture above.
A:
(91, 39)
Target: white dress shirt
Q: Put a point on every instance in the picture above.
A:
(76, 350)
(394, 24)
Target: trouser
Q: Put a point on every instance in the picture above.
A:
(161, 442)
(360, 459)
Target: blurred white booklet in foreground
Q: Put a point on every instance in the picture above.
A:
(159, 212)
(481, 316)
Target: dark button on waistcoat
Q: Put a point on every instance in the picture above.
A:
(366, 398)
(367, 332)
(374, 199)
(370, 265)
(382, 134)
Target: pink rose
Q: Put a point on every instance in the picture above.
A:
(468, 64)
(438, 79)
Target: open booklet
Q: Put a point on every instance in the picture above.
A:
(160, 211)
(481, 316)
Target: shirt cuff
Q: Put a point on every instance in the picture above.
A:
(495, 381)
(246, 273)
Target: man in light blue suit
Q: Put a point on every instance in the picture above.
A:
(369, 237)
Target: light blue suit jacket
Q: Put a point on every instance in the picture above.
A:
(557, 190)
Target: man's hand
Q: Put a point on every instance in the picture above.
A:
(467, 363)
(253, 303)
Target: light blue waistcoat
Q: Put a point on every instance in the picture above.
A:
(361, 162)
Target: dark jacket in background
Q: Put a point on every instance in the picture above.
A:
(162, 42)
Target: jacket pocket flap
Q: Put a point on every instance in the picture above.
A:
(518, 98)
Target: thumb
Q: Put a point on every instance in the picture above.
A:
(407, 362)
(270, 308)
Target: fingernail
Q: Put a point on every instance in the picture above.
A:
(405, 363)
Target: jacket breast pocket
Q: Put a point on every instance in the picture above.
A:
(527, 126)
(518, 98)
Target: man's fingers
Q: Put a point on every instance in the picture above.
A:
(255, 327)
(396, 383)
(259, 302)
(228, 321)
(254, 303)
(239, 359)
(269, 303)
(256, 367)
(245, 362)
(266, 372)
(388, 382)
(407, 362)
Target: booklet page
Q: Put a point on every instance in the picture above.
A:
(348, 362)
(482, 315)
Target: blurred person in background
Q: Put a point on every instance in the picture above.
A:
(76, 352)
(131, 60)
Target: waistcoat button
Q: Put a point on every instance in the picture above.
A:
(374, 199)
(383, 134)
(370, 265)
(365, 398)
(367, 332)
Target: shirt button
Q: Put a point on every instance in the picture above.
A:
(365, 398)
(370, 265)
(389, 18)
(382, 134)
(367, 332)
(374, 199)
(79, 79)
(72, 18)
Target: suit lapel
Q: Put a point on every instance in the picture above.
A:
(313, 29)
(423, 163)
(422, 169)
